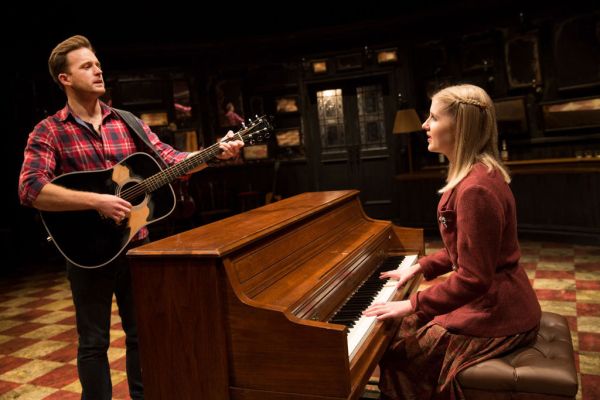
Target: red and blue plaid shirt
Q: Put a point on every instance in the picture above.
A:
(64, 143)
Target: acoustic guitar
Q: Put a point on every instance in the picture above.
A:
(91, 240)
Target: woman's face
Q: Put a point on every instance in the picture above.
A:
(440, 130)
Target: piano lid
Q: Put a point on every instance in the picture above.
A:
(227, 235)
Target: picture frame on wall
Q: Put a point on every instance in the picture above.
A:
(139, 92)
(288, 137)
(571, 114)
(522, 61)
(286, 104)
(576, 47)
(159, 118)
(319, 67)
(349, 62)
(387, 56)
(255, 152)
(478, 52)
(432, 58)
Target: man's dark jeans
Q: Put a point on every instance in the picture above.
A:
(92, 291)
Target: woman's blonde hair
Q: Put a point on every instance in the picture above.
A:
(476, 133)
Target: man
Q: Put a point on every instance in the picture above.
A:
(88, 135)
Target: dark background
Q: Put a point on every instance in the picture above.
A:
(268, 48)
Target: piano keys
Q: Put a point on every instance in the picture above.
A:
(245, 308)
(374, 290)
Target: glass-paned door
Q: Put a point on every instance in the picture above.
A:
(350, 120)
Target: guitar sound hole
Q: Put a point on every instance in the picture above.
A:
(133, 193)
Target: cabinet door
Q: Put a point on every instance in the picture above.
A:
(351, 138)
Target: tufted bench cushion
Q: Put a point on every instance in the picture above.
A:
(543, 370)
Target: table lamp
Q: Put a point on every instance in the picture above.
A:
(406, 122)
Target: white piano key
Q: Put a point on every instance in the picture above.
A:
(408, 261)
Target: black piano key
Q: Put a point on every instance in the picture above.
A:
(352, 309)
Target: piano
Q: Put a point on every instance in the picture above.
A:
(267, 304)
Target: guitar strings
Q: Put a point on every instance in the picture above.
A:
(160, 178)
(157, 180)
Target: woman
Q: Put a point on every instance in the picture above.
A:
(487, 306)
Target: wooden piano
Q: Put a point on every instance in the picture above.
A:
(242, 308)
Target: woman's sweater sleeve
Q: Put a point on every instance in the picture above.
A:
(435, 264)
(480, 222)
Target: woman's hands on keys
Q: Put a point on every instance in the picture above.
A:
(402, 275)
(391, 309)
(394, 309)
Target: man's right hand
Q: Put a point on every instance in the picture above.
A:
(113, 207)
(53, 197)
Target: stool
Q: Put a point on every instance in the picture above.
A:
(543, 370)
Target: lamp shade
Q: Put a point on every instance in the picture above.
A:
(407, 121)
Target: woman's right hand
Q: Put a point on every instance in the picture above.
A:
(402, 275)
(391, 309)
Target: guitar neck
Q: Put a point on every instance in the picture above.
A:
(173, 172)
(248, 134)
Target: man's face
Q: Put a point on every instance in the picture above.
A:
(84, 73)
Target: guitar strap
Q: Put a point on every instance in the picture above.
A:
(135, 126)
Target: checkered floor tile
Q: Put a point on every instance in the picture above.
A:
(38, 339)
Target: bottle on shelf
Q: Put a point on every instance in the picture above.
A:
(504, 151)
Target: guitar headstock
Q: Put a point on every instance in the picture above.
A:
(256, 131)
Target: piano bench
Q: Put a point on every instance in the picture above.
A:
(543, 370)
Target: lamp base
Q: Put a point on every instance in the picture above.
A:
(410, 162)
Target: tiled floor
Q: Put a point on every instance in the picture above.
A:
(38, 337)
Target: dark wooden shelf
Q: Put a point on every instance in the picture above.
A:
(517, 167)
(555, 165)
(554, 139)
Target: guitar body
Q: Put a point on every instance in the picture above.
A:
(90, 240)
